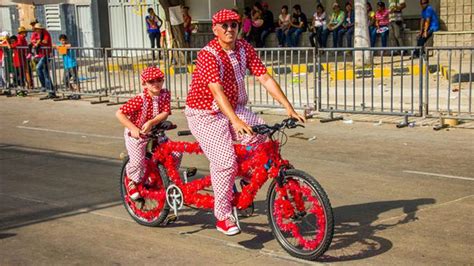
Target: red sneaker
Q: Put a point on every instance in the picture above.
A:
(228, 227)
(132, 190)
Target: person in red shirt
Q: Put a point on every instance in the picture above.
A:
(42, 45)
(216, 112)
(187, 26)
(22, 48)
(138, 116)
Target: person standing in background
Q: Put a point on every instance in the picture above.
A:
(396, 22)
(267, 23)
(153, 25)
(188, 28)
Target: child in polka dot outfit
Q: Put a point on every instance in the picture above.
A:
(139, 115)
(216, 112)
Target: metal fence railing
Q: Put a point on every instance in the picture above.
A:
(393, 81)
(387, 82)
(448, 89)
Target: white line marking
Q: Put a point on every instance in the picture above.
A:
(70, 132)
(440, 175)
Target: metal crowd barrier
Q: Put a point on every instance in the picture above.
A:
(389, 83)
(448, 87)
(392, 82)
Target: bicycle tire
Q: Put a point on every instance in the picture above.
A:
(163, 213)
(325, 205)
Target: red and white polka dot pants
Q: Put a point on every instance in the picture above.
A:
(215, 135)
(136, 149)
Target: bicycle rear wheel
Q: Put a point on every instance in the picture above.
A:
(152, 209)
(300, 215)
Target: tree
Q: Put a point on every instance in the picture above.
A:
(176, 35)
(361, 32)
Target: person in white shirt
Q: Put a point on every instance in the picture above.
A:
(284, 20)
(317, 26)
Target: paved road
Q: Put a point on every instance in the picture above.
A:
(400, 196)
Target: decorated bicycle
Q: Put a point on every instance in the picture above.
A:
(299, 211)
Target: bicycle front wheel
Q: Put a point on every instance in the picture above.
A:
(300, 215)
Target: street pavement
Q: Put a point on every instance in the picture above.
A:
(400, 196)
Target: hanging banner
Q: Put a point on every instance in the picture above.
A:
(176, 15)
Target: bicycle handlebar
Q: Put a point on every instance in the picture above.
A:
(158, 129)
(269, 130)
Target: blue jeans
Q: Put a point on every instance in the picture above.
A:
(421, 41)
(43, 75)
(281, 37)
(335, 33)
(187, 37)
(373, 37)
(293, 36)
(349, 32)
(317, 34)
(263, 36)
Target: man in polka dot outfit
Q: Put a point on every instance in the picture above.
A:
(138, 116)
(215, 108)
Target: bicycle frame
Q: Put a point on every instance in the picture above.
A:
(257, 163)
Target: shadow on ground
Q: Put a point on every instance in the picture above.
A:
(43, 185)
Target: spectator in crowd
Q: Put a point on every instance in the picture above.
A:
(396, 22)
(284, 20)
(317, 26)
(41, 42)
(347, 27)
(334, 25)
(370, 17)
(3, 40)
(188, 27)
(382, 22)
(247, 25)
(257, 24)
(299, 23)
(429, 24)
(7, 59)
(70, 67)
(18, 74)
(268, 21)
(153, 25)
(23, 51)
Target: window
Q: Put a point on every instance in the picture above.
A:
(53, 20)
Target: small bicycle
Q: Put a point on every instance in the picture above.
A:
(299, 211)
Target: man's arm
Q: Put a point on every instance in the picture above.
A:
(224, 105)
(275, 91)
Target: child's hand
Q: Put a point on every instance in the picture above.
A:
(135, 133)
(146, 128)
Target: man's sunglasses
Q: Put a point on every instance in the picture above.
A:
(232, 25)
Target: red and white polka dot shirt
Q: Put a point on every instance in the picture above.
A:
(155, 105)
(208, 71)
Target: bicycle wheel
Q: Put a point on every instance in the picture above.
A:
(151, 209)
(300, 215)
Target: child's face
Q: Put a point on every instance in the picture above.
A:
(154, 86)
(63, 41)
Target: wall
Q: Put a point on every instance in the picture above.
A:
(457, 15)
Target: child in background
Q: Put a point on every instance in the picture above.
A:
(139, 115)
(70, 67)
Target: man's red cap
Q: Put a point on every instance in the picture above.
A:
(225, 15)
(151, 73)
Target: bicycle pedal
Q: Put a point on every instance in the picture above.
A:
(191, 171)
(170, 219)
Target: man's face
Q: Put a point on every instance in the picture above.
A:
(63, 41)
(423, 4)
(226, 31)
(336, 9)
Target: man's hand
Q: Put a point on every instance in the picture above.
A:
(242, 128)
(146, 128)
(297, 116)
(135, 133)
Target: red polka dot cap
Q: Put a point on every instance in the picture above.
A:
(225, 15)
(151, 73)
